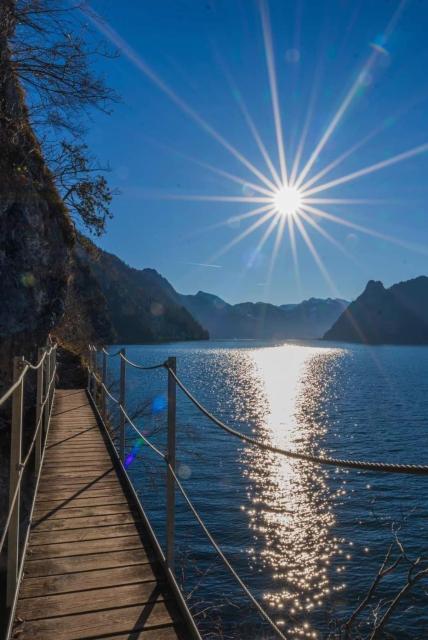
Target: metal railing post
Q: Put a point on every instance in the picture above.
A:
(52, 379)
(95, 369)
(170, 480)
(38, 454)
(46, 378)
(90, 369)
(14, 474)
(103, 393)
(122, 394)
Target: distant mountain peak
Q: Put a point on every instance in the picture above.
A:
(398, 315)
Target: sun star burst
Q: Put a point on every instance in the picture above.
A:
(282, 201)
(287, 201)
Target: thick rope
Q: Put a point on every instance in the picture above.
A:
(148, 443)
(139, 366)
(334, 462)
(47, 353)
(15, 385)
(27, 366)
(110, 355)
(128, 419)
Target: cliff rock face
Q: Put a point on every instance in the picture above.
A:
(398, 315)
(86, 321)
(142, 306)
(306, 320)
(35, 232)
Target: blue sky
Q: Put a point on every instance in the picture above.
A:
(196, 48)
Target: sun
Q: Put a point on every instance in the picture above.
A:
(287, 201)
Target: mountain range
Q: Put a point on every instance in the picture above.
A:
(308, 319)
(139, 305)
(121, 304)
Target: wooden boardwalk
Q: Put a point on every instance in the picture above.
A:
(90, 570)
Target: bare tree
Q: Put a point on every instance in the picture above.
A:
(84, 188)
(54, 60)
(370, 618)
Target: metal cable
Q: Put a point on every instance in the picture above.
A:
(334, 462)
(23, 464)
(223, 557)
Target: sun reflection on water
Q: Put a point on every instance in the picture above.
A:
(291, 513)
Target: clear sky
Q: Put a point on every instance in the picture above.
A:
(185, 70)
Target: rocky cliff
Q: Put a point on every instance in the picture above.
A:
(398, 315)
(35, 232)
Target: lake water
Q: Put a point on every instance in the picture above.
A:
(307, 540)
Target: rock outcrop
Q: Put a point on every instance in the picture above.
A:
(398, 315)
(36, 234)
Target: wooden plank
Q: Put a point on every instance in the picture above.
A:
(105, 481)
(96, 455)
(87, 562)
(74, 512)
(89, 600)
(91, 533)
(63, 482)
(85, 494)
(96, 579)
(79, 501)
(94, 624)
(79, 523)
(81, 547)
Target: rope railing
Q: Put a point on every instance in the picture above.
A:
(15, 385)
(23, 464)
(161, 365)
(27, 367)
(387, 467)
(225, 560)
(46, 354)
(108, 354)
(173, 482)
(46, 374)
(128, 419)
